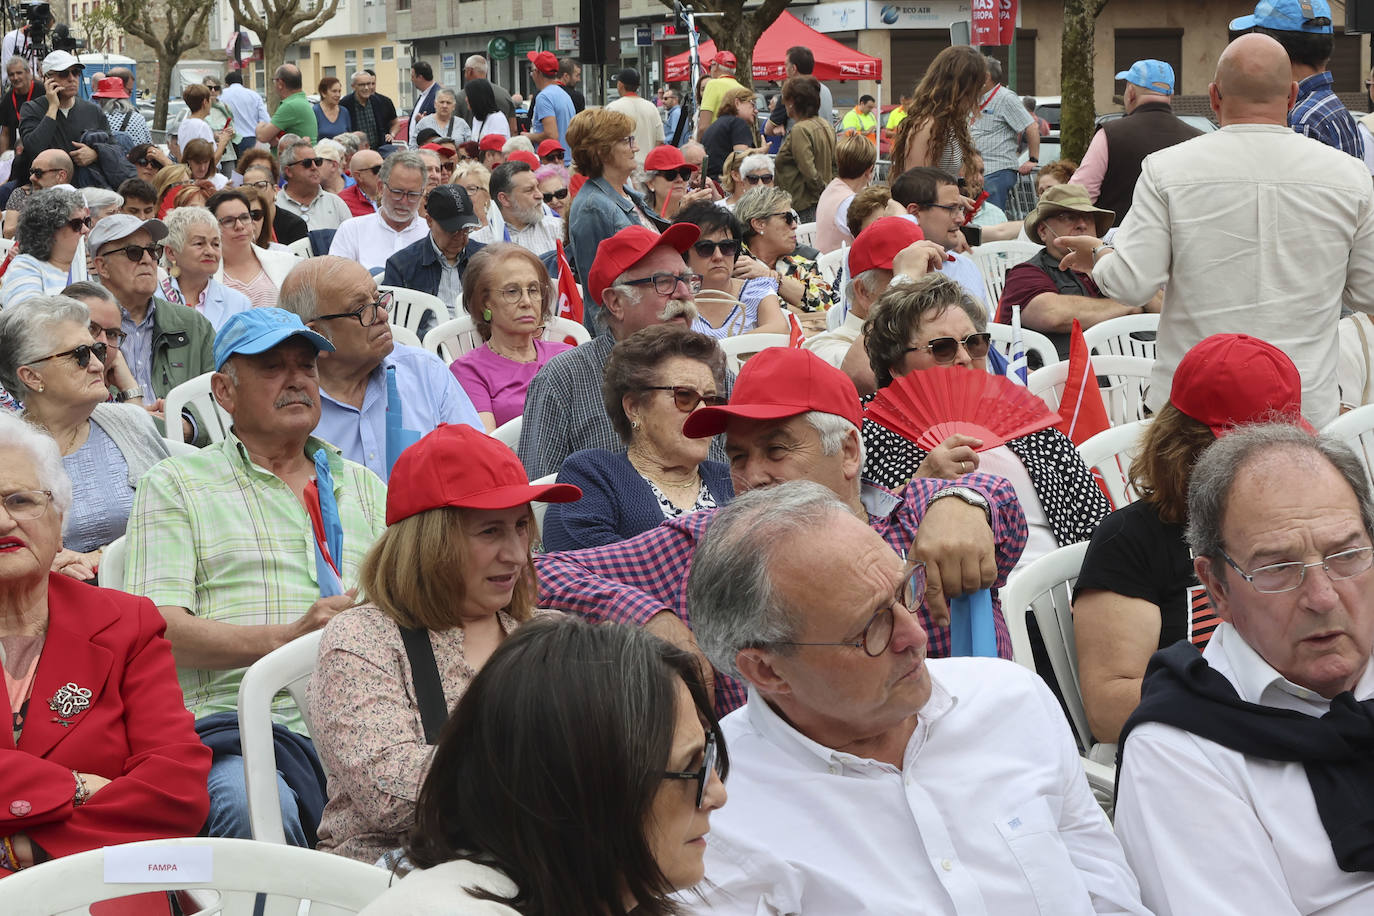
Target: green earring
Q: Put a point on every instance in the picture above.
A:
(486, 314)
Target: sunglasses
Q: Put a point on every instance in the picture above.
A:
(316, 162)
(39, 173)
(706, 248)
(143, 163)
(686, 399)
(81, 354)
(374, 169)
(135, 253)
(76, 224)
(669, 174)
(551, 196)
(789, 216)
(945, 349)
(448, 167)
(258, 215)
(759, 179)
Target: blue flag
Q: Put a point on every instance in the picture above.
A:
(398, 438)
(329, 524)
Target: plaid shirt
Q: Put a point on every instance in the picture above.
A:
(229, 541)
(1320, 115)
(997, 128)
(633, 580)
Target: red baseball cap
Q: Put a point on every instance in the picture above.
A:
(880, 242)
(725, 59)
(628, 247)
(544, 61)
(666, 157)
(492, 143)
(776, 383)
(447, 152)
(549, 147)
(459, 466)
(525, 156)
(1227, 380)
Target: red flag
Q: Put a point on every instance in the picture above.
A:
(1006, 22)
(1084, 414)
(569, 298)
(795, 336)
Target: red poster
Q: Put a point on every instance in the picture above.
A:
(1006, 21)
(984, 28)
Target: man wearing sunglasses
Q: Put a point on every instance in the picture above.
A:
(164, 344)
(524, 221)
(953, 782)
(303, 194)
(50, 168)
(365, 194)
(373, 238)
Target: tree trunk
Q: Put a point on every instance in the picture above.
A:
(165, 65)
(738, 34)
(273, 56)
(1077, 110)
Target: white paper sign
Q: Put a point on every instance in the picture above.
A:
(159, 865)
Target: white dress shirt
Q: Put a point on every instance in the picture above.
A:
(370, 240)
(990, 814)
(540, 237)
(1209, 830)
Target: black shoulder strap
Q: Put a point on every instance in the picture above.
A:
(424, 673)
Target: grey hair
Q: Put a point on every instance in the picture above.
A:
(473, 167)
(47, 457)
(16, 59)
(632, 294)
(760, 203)
(518, 143)
(476, 62)
(731, 596)
(756, 164)
(43, 214)
(100, 201)
(1215, 473)
(833, 430)
(350, 142)
(85, 289)
(299, 291)
(870, 280)
(448, 92)
(27, 328)
(180, 221)
(286, 155)
(404, 159)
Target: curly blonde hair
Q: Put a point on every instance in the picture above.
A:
(944, 99)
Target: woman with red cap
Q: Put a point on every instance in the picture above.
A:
(443, 586)
(666, 177)
(1137, 591)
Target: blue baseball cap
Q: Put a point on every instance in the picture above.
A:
(259, 330)
(1153, 75)
(1288, 16)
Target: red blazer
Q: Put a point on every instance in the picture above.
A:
(136, 732)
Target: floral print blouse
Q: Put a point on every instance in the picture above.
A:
(819, 294)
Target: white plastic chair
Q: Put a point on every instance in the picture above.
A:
(288, 875)
(742, 346)
(806, 234)
(541, 507)
(996, 258)
(1356, 429)
(285, 668)
(831, 262)
(1109, 454)
(509, 432)
(560, 329)
(111, 571)
(410, 307)
(1128, 335)
(195, 393)
(403, 335)
(1034, 342)
(451, 339)
(1128, 380)
(301, 248)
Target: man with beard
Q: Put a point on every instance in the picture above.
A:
(373, 113)
(523, 219)
(373, 238)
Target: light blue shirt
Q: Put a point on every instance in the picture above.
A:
(670, 128)
(138, 345)
(554, 100)
(430, 395)
(247, 107)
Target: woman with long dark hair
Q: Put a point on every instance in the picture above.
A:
(487, 117)
(935, 131)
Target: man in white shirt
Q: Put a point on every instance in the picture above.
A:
(1245, 770)
(931, 197)
(302, 194)
(524, 221)
(373, 238)
(648, 123)
(864, 777)
(247, 107)
(1251, 228)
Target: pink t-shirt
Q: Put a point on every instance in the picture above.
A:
(497, 385)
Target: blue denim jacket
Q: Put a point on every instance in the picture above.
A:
(598, 213)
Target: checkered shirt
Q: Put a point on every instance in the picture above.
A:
(1320, 115)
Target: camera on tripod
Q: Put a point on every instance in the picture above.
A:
(44, 34)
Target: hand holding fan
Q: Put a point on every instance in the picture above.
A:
(929, 406)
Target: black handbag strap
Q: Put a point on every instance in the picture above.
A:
(424, 673)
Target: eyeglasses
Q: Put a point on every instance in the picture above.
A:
(448, 167)
(551, 196)
(473, 189)
(629, 141)
(228, 222)
(368, 315)
(877, 633)
(135, 253)
(1284, 577)
(258, 215)
(114, 335)
(81, 354)
(214, 88)
(26, 504)
(78, 223)
(316, 162)
(706, 248)
(409, 196)
(686, 399)
(665, 284)
(374, 169)
(948, 208)
(703, 775)
(790, 216)
(945, 349)
(759, 179)
(513, 294)
(264, 184)
(39, 173)
(669, 174)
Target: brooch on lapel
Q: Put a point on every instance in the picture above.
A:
(70, 700)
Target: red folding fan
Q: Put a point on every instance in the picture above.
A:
(929, 406)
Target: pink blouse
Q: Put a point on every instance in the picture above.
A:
(260, 290)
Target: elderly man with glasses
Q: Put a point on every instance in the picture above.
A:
(339, 300)
(373, 238)
(303, 194)
(1263, 739)
(164, 344)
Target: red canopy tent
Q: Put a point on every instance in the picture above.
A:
(834, 61)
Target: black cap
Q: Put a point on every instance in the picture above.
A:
(451, 208)
(629, 76)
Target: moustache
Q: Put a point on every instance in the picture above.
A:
(294, 397)
(675, 307)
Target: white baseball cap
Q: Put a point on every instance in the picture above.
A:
(61, 62)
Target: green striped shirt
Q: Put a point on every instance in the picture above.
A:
(229, 541)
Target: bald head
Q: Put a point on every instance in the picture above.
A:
(1254, 73)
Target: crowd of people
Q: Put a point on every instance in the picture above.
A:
(562, 590)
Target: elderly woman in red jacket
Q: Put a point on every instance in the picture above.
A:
(101, 750)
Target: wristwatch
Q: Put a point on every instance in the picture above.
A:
(129, 394)
(1032, 159)
(968, 495)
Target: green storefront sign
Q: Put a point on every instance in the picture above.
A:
(499, 49)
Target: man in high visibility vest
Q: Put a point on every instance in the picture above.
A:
(861, 118)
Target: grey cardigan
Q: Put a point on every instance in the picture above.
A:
(134, 433)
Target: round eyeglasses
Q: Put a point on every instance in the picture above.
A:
(877, 633)
(369, 314)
